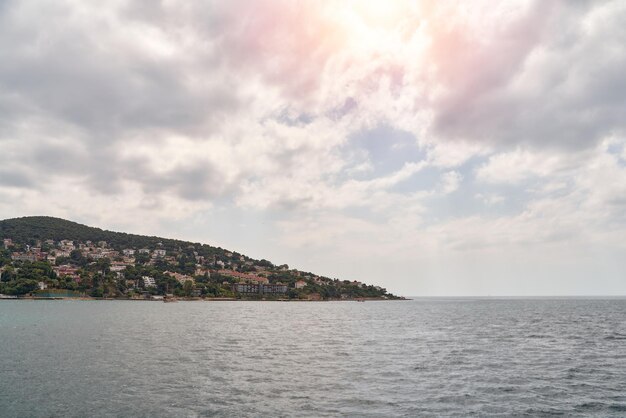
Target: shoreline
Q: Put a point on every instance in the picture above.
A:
(86, 298)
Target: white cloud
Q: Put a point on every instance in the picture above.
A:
(490, 199)
(450, 182)
(520, 165)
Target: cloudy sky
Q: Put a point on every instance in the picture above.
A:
(433, 147)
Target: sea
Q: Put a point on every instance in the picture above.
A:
(423, 357)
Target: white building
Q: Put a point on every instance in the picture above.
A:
(182, 278)
(160, 253)
(23, 257)
(148, 281)
(67, 245)
(128, 252)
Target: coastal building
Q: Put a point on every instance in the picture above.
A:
(65, 270)
(67, 245)
(23, 257)
(244, 276)
(144, 251)
(128, 252)
(300, 284)
(7, 242)
(274, 288)
(182, 278)
(148, 281)
(245, 288)
(117, 267)
(201, 271)
(160, 252)
(259, 288)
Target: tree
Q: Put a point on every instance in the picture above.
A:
(264, 263)
(188, 288)
(97, 292)
(77, 258)
(103, 265)
(8, 274)
(20, 287)
(142, 258)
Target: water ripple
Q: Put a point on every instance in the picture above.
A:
(456, 357)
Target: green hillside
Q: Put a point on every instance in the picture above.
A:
(106, 263)
(32, 228)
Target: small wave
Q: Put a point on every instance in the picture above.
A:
(507, 389)
(615, 337)
(543, 412)
(590, 405)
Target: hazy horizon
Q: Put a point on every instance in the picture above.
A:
(441, 149)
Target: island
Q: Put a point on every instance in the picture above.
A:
(51, 258)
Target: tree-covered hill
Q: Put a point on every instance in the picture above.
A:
(39, 254)
(32, 228)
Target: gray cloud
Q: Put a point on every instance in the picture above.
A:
(81, 72)
(199, 182)
(13, 178)
(555, 79)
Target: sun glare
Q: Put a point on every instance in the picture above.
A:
(373, 24)
(377, 13)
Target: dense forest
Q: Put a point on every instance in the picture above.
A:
(30, 229)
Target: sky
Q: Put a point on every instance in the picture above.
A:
(436, 148)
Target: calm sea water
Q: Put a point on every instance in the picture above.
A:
(430, 357)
